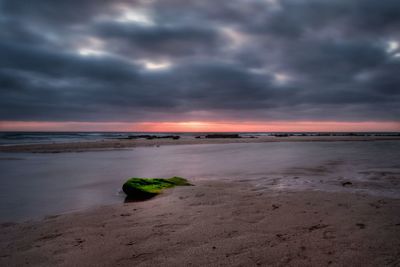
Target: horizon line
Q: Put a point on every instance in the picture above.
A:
(201, 126)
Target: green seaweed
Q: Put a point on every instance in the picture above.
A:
(143, 188)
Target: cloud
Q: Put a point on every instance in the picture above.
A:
(175, 60)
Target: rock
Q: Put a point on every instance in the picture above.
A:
(151, 137)
(222, 136)
(281, 135)
(347, 183)
(145, 188)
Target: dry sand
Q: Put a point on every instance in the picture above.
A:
(215, 224)
(121, 144)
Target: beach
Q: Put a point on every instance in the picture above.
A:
(215, 224)
(271, 203)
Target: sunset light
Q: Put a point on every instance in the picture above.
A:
(195, 126)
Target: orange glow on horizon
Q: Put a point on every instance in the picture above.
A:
(196, 126)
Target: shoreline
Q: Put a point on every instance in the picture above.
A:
(215, 224)
(125, 144)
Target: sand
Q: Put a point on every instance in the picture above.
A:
(215, 224)
(123, 144)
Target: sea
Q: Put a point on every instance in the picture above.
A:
(22, 138)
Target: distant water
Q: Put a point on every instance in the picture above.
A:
(16, 138)
(35, 185)
(20, 138)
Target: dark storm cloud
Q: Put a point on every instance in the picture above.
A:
(199, 60)
(171, 41)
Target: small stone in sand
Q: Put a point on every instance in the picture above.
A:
(347, 183)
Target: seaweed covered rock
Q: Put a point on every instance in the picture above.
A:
(144, 188)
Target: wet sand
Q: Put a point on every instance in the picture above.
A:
(215, 224)
(123, 144)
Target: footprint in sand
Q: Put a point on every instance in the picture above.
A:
(274, 206)
(49, 236)
(361, 225)
(328, 235)
(317, 227)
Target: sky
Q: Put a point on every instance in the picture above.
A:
(181, 65)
